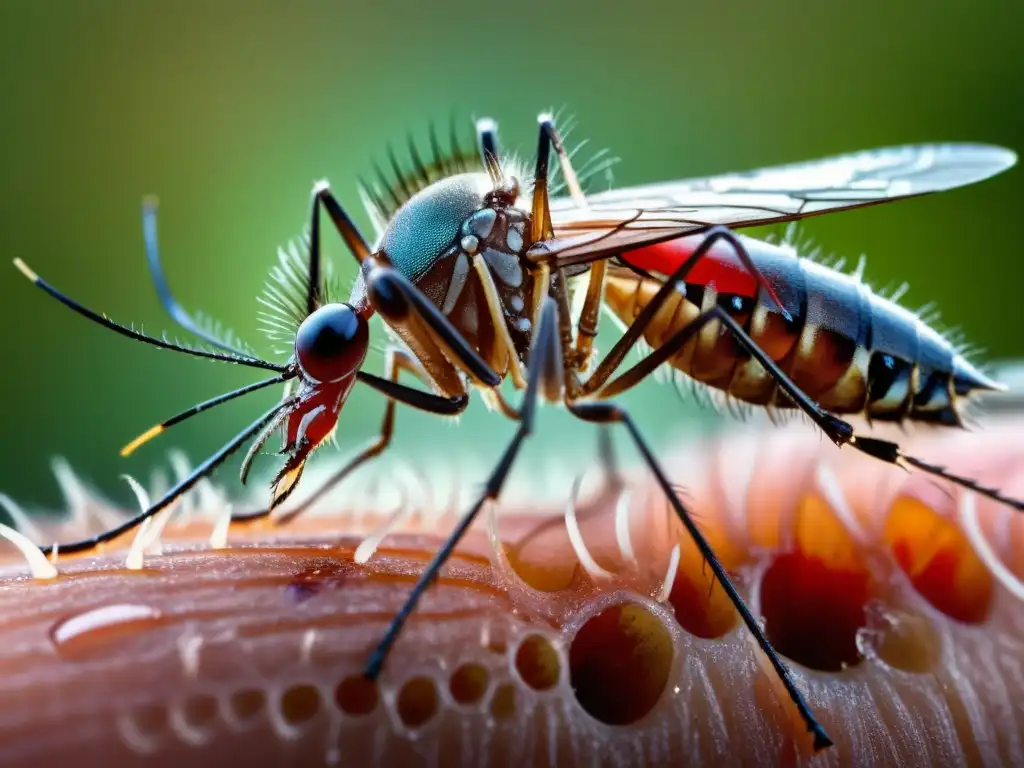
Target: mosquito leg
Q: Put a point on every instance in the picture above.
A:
(540, 217)
(483, 273)
(606, 458)
(357, 245)
(541, 229)
(609, 413)
(837, 430)
(621, 348)
(175, 493)
(487, 141)
(322, 196)
(586, 326)
(544, 377)
(397, 361)
(439, 345)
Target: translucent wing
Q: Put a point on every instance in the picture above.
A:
(621, 219)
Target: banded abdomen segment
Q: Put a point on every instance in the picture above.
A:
(849, 349)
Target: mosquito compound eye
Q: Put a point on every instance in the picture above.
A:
(331, 342)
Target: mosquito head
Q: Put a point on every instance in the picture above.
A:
(331, 343)
(330, 347)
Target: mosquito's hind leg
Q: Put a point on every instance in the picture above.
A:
(609, 413)
(636, 330)
(839, 431)
(545, 378)
(607, 460)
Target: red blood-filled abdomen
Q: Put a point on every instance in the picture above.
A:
(720, 266)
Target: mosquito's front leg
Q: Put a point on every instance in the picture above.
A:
(544, 378)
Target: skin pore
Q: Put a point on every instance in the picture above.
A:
(576, 635)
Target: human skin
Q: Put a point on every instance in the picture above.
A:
(906, 642)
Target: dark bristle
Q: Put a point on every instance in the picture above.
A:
(373, 197)
(390, 194)
(417, 162)
(435, 148)
(389, 188)
(456, 153)
(399, 174)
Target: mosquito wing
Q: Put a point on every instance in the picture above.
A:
(622, 219)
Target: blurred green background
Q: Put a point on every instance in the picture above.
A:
(230, 110)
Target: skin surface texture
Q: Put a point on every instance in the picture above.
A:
(586, 635)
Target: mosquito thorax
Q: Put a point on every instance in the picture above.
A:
(436, 235)
(331, 343)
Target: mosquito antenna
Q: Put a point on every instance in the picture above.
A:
(152, 432)
(175, 493)
(163, 290)
(133, 334)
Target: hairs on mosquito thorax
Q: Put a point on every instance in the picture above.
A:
(386, 194)
(284, 293)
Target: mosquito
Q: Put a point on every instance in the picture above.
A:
(473, 271)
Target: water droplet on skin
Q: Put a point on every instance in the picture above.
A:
(99, 629)
(355, 695)
(417, 701)
(300, 703)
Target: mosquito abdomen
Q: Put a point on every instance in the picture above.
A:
(850, 349)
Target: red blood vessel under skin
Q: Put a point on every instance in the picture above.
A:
(869, 581)
(850, 349)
